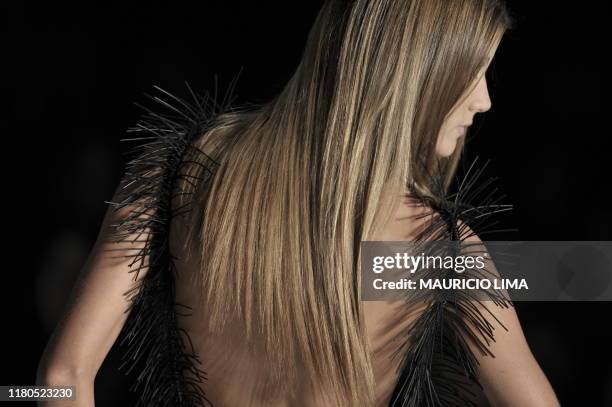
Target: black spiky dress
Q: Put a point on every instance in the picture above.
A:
(438, 366)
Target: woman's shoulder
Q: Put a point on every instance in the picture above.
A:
(409, 217)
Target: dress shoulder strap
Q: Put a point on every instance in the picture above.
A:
(169, 372)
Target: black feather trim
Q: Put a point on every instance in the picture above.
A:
(438, 367)
(170, 372)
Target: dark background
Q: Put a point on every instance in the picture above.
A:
(72, 72)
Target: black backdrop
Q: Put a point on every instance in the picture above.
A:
(72, 72)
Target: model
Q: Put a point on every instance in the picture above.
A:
(234, 237)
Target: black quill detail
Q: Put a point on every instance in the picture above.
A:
(170, 372)
(438, 366)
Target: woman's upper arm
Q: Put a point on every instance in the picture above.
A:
(96, 309)
(512, 376)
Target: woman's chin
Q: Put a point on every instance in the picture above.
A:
(446, 149)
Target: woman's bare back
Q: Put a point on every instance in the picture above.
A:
(238, 375)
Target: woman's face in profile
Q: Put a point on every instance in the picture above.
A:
(462, 114)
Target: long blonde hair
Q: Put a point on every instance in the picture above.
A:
(301, 179)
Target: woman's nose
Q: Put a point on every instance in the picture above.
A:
(480, 100)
